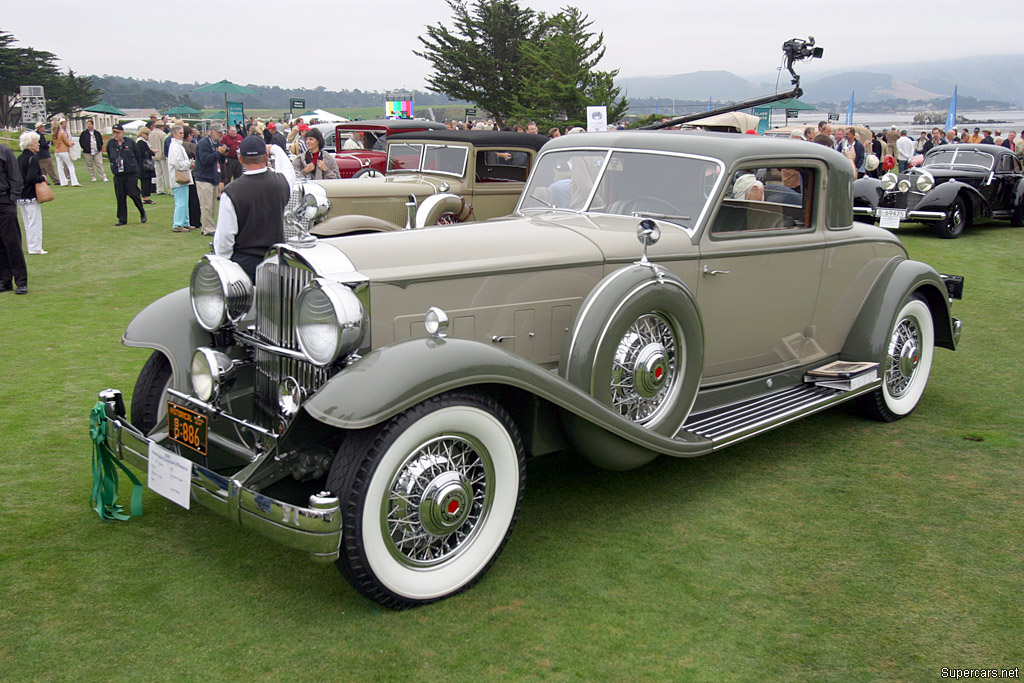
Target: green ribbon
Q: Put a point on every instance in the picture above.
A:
(104, 472)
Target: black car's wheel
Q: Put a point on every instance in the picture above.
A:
(956, 221)
(1017, 219)
(906, 366)
(149, 402)
(429, 498)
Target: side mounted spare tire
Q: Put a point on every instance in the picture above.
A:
(637, 346)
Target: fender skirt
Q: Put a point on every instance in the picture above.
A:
(899, 279)
(391, 379)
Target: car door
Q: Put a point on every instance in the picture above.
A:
(1004, 182)
(760, 268)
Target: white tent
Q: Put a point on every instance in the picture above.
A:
(134, 126)
(734, 120)
(327, 117)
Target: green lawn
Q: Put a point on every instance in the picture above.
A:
(831, 549)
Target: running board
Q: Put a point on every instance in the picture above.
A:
(728, 424)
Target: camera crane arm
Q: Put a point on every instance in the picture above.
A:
(795, 50)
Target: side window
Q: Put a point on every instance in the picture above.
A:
(502, 166)
(1006, 163)
(767, 199)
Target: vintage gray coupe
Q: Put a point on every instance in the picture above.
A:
(373, 399)
(955, 187)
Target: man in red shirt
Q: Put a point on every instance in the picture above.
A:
(231, 169)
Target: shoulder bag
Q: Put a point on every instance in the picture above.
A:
(44, 193)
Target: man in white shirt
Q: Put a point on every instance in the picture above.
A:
(904, 151)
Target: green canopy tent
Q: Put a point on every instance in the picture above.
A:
(182, 110)
(104, 108)
(787, 105)
(228, 88)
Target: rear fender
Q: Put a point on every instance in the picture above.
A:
(900, 278)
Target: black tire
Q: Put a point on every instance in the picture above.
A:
(149, 403)
(955, 222)
(906, 365)
(637, 346)
(428, 499)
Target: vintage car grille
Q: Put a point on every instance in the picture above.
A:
(277, 289)
(894, 199)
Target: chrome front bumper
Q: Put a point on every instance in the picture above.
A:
(316, 529)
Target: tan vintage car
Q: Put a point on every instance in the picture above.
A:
(434, 177)
(372, 400)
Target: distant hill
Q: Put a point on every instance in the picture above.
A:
(999, 80)
(718, 85)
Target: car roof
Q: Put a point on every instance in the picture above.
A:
(729, 147)
(480, 138)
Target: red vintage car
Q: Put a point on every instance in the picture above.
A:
(366, 153)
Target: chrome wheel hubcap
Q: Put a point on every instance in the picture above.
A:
(904, 357)
(644, 369)
(437, 500)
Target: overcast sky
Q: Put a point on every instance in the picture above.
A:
(344, 45)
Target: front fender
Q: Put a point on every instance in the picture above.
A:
(392, 379)
(869, 337)
(942, 196)
(168, 325)
(867, 192)
(352, 223)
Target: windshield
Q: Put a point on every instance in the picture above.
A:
(669, 187)
(960, 157)
(417, 157)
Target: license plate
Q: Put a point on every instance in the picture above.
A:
(899, 214)
(187, 427)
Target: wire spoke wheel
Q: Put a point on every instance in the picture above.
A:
(644, 369)
(437, 500)
(904, 356)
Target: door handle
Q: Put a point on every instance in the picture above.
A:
(708, 271)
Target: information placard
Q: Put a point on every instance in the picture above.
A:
(170, 475)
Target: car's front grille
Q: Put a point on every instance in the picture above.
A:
(277, 290)
(894, 199)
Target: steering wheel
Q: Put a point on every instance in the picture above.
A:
(650, 204)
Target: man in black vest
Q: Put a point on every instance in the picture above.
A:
(124, 162)
(250, 219)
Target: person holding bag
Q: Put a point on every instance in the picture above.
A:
(180, 169)
(147, 165)
(28, 203)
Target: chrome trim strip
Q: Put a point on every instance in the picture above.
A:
(250, 340)
(863, 210)
(210, 408)
(926, 214)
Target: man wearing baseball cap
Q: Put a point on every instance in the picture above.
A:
(124, 163)
(251, 215)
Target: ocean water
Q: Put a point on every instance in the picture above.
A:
(1007, 120)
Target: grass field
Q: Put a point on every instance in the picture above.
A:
(831, 549)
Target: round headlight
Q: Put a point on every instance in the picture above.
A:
(925, 181)
(889, 181)
(903, 185)
(221, 292)
(315, 201)
(329, 322)
(212, 371)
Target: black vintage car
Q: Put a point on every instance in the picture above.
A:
(955, 187)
